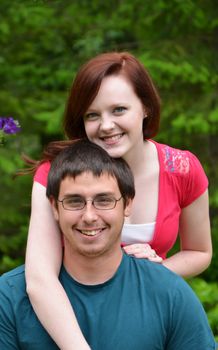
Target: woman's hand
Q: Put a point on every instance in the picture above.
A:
(142, 250)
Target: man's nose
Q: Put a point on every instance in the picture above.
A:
(89, 212)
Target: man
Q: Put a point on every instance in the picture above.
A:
(120, 302)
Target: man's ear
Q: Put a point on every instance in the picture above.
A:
(128, 208)
(53, 203)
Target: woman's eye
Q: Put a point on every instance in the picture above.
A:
(119, 109)
(91, 116)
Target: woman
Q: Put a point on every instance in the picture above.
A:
(114, 104)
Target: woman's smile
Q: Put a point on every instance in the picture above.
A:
(112, 139)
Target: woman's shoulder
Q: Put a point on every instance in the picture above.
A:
(183, 172)
(177, 161)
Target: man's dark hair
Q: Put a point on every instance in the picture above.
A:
(84, 156)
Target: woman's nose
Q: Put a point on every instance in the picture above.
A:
(107, 123)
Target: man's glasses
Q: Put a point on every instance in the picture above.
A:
(99, 202)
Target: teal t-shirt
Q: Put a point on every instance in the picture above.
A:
(143, 306)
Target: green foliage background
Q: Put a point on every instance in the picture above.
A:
(42, 45)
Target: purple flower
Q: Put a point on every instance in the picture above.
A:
(9, 126)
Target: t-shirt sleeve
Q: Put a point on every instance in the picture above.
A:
(189, 324)
(194, 183)
(41, 174)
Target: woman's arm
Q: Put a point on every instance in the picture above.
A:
(43, 261)
(195, 238)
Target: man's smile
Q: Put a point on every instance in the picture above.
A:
(90, 232)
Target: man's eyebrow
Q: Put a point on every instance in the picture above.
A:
(69, 195)
(105, 194)
(100, 194)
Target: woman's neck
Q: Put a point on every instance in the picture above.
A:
(140, 157)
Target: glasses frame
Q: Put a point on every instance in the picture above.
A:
(93, 204)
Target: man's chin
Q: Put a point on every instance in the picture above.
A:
(92, 253)
(98, 250)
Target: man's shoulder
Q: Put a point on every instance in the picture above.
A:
(155, 273)
(154, 276)
(152, 268)
(13, 277)
(16, 272)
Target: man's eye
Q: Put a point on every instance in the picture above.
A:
(73, 201)
(104, 201)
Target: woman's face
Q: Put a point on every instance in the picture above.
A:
(115, 117)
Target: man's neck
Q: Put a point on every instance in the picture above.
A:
(93, 270)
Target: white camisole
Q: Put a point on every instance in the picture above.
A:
(138, 233)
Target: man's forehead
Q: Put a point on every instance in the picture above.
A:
(88, 182)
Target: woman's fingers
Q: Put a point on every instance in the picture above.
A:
(143, 251)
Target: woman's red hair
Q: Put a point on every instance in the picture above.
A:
(85, 88)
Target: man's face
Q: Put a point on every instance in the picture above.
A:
(89, 231)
